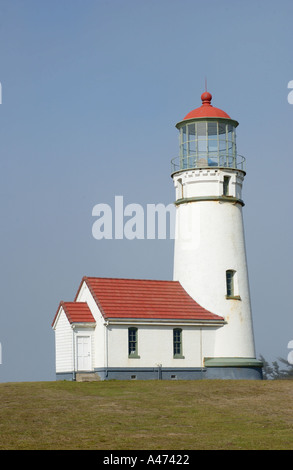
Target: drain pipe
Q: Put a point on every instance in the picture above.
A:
(73, 355)
(159, 365)
(106, 347)
(201, 358)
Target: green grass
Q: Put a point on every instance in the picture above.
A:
(147, 415)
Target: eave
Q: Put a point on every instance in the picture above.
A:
(165, 322)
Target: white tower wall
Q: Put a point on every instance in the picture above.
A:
(209, 241)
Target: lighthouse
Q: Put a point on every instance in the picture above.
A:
(198, 325)
(209, 253)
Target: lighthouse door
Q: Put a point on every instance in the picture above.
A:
(83, 353)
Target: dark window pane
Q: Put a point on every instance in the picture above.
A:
(177, 342)
(229, 282)
(132, 341)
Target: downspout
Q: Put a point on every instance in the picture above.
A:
(73, 354)
(201, 358)
(106, 349)
(159, 365)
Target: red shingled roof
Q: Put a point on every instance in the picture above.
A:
(76, 312)
(145, 299)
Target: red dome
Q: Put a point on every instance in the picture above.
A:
(206, 109)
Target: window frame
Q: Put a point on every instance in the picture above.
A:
(177, 352)
(133, 341)
(232, 285)
(226, 185)
(230, 273)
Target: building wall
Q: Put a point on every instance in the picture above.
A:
(155, 343)
(207, 182)
(109, 350)
(155, 346)
(99, 335)
(63, 344)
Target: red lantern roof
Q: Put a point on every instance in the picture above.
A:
(206, 110)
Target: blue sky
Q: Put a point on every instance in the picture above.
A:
(91, 93)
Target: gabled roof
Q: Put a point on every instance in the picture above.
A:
(145, 299)
(76, 312)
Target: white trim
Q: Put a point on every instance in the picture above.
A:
(167, 322)
(57, 318)
(83, 325)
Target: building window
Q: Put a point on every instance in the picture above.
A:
(230, 283)
(132, 342)
(177, 343)
(226, 185)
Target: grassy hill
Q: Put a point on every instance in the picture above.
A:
(150, 415)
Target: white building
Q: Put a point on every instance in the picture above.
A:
(197, 326)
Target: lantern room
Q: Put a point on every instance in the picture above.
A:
(207, 138)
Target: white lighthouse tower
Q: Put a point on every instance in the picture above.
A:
(210, 256)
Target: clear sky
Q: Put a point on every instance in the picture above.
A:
(91, 93)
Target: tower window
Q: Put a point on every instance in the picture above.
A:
(132, 342)
(177, 343)
(230, 283)
(180, 188)
(226, 185)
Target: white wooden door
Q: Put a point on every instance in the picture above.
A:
(83, 353)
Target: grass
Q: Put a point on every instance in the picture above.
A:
(147, 415)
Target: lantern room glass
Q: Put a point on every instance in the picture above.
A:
(208, 144)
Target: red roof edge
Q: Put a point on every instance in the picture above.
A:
(83, 316)
(98, 302)
(80, 284)
(85, 279)
(59, 306)
(106, 316)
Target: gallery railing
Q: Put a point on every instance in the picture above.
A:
(204, 160)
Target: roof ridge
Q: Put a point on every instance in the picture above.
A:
(130, 279)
